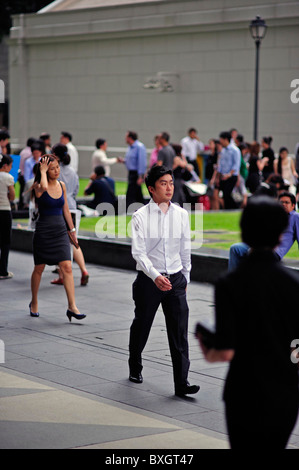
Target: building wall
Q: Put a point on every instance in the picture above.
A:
(92, 85)
(4, 92)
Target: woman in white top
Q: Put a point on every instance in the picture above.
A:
(99, 157)
(7, 194)
(285, 166)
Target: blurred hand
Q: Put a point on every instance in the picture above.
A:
(163, 283)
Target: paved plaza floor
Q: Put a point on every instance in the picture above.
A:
(65, 385)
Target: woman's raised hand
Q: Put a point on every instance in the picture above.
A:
(44, 164)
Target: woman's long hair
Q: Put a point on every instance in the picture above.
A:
(60, 151)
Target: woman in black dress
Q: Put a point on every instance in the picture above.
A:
(51, 242)
(256, 167)
(257, 324)
(268, 153)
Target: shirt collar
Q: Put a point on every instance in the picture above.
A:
(134, 144)
(154, 206)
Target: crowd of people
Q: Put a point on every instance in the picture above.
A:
(261, 391)
(232, 170)
(236, 170)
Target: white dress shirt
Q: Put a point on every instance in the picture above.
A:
(73, 153)
(71, 181)
(161, 242)
(191, 147)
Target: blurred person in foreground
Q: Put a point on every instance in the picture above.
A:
(256, 310)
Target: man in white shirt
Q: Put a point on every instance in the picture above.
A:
(161, 248)
(191, 147)
(66, 139)
(99, 157)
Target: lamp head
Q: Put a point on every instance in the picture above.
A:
(258, 29)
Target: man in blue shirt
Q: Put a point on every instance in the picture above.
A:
(136, 163)
(228, 169)
(36, 152)
(289, 236)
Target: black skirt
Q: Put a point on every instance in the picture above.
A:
(51, 243)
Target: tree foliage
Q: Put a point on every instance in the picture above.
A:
(12, 7)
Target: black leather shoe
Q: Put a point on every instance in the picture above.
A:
(187, 390)
(136, 378)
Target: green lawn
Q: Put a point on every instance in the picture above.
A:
(120, 187)
(220, 229)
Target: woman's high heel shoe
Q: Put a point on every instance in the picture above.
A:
(32, 314)
(78, 316)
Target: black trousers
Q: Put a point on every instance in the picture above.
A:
(22, 187)
(134, 191)
(261, 424)
(147, 299)
(227, 186)
(5, 238)
(195, 165)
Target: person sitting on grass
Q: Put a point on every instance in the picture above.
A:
(102, 187)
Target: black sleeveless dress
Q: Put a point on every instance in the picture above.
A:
(51, 243)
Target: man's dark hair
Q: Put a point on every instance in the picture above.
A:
(67, 135)
(192, 129)
(265, 189)
(225, 135)
(165, 136)
(99, 170)
(262, 222)
(289, 195)
(30, 141)
(155, 173)
(133, 135)
(99, 143)
(44, 136)
(4, 135)
(36, 146)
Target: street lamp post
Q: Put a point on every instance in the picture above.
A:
(258, 30)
